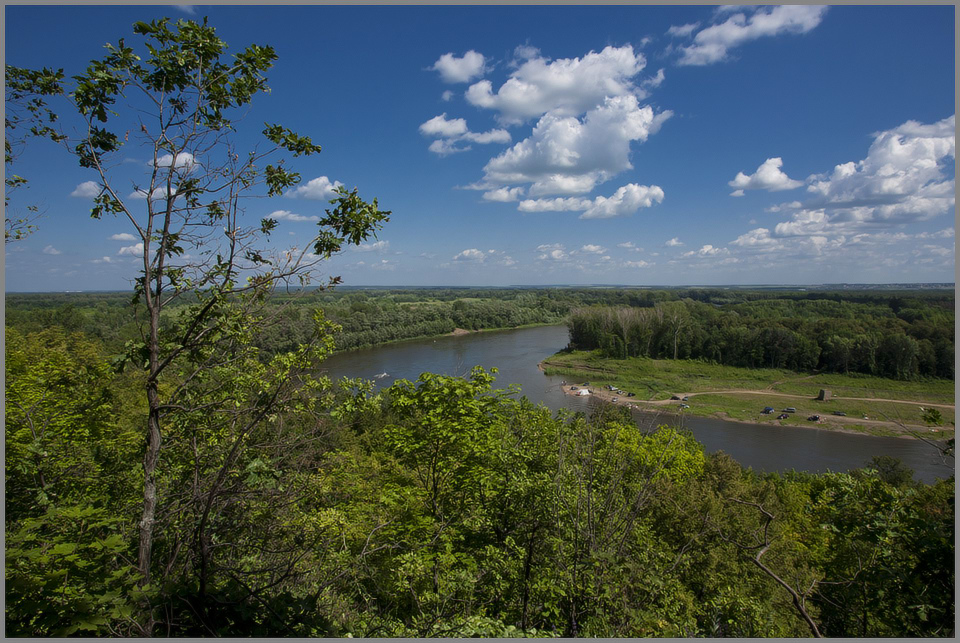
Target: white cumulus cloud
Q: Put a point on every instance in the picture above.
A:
(712, 44)
(86, 190)
(568, 85)
(768, 177)
(375, 246)
(593, 249)
(471, 254)
(451, 131)
(567, 155)
(625, 201)
(50, 250)
(122, 236)
(503, 195)
(460, 70)
(318, 189)
(135, 250)
(674, 243)
(286, 215)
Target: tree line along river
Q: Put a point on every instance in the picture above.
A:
(516, 354)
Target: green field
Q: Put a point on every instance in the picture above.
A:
(714, 390)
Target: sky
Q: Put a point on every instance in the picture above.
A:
(628, 145)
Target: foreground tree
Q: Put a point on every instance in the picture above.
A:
(26, 115)
(176, 103)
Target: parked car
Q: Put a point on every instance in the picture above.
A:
(615, 399)
(684, 398)
(840, 413)
(585, 384)
(814, 418)
(631, 394)
(783, 416)
(684, 406)
(674, 397)
(767, 410)
(789, 409)
(574, 388)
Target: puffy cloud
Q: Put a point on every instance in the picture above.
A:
(768, 177)
(86, 190)
(50, 250)
(626, 200)
(792, 205)
(568, 85)
(706, 251)
(103, 260)
(552, 252)
(122, 236)
(567, 155)
(635, 264)
(318, 189)
(711, 44)
(446, 96)
(440, 126)
(135, 250)
(286, 215)
(471, 254)
(158, 194)
(451, 131)
(901, 179)
(593, 249)
(674, 243)
(758, 238)
(376, 246)
(503, 195)
(184, 161)
(682, 31)
(460, 70)
(559, 204)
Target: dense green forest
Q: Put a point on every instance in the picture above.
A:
(900, 334)
(438, 508)
(898, 337)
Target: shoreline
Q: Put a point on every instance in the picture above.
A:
(835, 423)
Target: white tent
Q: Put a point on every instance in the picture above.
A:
(583, 391)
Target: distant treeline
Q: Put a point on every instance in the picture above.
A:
(900, 334)
(897, 337)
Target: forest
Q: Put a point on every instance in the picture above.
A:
(440, 507)
(177, 465)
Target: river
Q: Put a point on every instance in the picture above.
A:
(516, 354)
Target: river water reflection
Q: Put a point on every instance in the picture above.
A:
(516, 354)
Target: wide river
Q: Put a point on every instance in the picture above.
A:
(516, 354)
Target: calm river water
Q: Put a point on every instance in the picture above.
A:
(516, 354)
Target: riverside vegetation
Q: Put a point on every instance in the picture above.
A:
(176, 466)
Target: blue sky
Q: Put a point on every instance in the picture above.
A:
(561, 145)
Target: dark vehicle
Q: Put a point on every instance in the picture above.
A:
(574, 388)
(814, 418)
(767, 410)
(631, 394)
(783, 416)
(585, 384)
(674, 397)
(789, 409)
(684, 398)
(840, 413)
